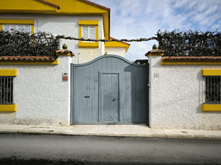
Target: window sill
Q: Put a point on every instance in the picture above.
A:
(8, 107)
(211, 107)
(88, 44)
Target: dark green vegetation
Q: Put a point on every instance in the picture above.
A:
(190, 43)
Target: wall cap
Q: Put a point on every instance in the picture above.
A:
(64, 52)
(155, 52)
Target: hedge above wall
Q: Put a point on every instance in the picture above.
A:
(190, 43)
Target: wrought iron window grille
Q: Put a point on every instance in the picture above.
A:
(6, 90)
(213, 89)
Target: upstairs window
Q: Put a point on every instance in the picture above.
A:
(20, 28)
(89, 32)
(88, 29)
(16, 24)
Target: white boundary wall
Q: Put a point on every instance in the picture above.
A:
(177, 95)
(41, 96)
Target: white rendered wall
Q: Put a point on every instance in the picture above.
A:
(116, 51)
(41, 96)
(68, 26)
(176, 97)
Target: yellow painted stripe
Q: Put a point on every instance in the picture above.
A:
(88, 44)
(56, 62)
(32, 29)
(8, 107)
(8, 72)
(80, 31)
(0, 27)
(188, 63)
(211, 107)
(16, 21)
(97, 34)
(211, 72)
(88, 22)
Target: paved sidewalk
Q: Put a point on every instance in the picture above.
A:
(113, 130)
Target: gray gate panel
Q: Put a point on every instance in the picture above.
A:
(109, 97)
(88, 86)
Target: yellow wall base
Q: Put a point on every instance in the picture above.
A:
(8, 107)
(211, 107)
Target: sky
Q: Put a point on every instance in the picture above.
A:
(134, 19)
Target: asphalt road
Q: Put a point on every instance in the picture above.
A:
(52, 149)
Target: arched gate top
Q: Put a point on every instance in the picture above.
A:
(109, 56)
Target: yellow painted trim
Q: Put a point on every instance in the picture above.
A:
(17, 21)
(60, 54)
(88, 44)
(8, 107)
(211, 72)
(155, 54)
(32, 29)
(8, 72)
(56, 62)
(189, 63)
(211, 107)
(117, 44)
(88, 22)
(97, 33)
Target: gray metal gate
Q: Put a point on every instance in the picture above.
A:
(109, 90)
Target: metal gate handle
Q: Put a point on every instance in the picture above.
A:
(114, 99)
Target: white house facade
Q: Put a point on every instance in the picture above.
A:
(39, 93)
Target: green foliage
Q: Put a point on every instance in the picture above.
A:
(26, 44)
(190, 43)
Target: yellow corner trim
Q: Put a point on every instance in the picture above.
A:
(8, 107)
(88, 44)
(211, 72)
(88, 22)
(188, 63)
(8, 72)
(56, 62)
(0, 27)
(211, 107)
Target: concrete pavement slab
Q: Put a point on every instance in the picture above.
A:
(113, 130)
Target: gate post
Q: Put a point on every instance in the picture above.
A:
(154, 58)
(65, 69)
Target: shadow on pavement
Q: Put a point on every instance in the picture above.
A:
(17, 161)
